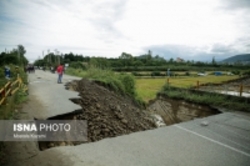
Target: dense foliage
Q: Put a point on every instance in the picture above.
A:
(128, 63)
(16, 57)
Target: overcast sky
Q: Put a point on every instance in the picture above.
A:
(190, 29)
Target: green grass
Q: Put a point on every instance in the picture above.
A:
(122, 83)
(148, 88)
(76, 72)
(229, 102)
(186, 82)
(7, 110)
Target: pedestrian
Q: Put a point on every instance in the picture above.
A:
(168, 72)
(60, 73)
(52, 69)
(7, 72)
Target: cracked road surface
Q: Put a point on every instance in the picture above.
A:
(222, 139)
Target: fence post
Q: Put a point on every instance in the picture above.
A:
(198, 84)
(4, 91)
(4, 95)
(241, 89)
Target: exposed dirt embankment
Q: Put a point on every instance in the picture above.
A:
(109, 114)
(176, 111)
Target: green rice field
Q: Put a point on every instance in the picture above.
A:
(148, 88)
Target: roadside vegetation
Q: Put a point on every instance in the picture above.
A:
(214, 99)
(15, 61)
(122, 83)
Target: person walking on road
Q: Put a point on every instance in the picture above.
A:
(60, 73)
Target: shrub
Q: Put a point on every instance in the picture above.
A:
(122, 83)
(246, 72)
(157, 73)
(136, 74)
(187, 73)
(129, 84)
(236, 72)
(77, 65)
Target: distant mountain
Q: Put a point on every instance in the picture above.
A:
(245, 58)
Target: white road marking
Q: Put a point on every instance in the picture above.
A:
(214, 141)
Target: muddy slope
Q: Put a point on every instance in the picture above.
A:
(108, 114)
(176, 111)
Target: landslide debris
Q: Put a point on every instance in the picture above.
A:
(108, 113)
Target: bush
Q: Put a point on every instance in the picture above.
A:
(122, 83)
(129, 84)
(136, 74)
(187, 73)
(157, 73)
(236, 72)
(77, 65)
(246, 72)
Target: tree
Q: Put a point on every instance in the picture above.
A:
(150, 53)
(20, 53)
(39, 62)
(125, 55)
(99, 62)
(9, 58)
(21, 49)
(70, 56)
(126, 59)
(171, 60)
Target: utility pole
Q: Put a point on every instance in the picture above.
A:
(59, 58)
(49, 57)
(55, 55)
(19, 58)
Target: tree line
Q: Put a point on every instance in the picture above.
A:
(128, 62)
(15, 56)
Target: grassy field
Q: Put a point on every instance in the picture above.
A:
(147, 88)
(183, 73)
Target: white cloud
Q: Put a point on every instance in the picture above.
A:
(109, 27)
(177, 22)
